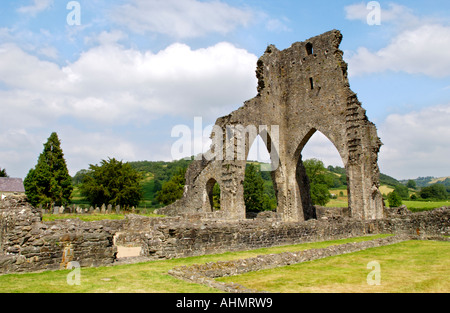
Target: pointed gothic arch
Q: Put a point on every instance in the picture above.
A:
(301, 89)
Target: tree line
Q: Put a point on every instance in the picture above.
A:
(410, 191)
(49, 184)
(121, 183)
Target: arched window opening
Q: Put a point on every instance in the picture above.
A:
(309, 48)
(259, 188)
(213, 193)
(326, 183)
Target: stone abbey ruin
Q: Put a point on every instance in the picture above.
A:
(301, 90)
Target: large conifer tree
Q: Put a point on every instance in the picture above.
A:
(49, 183)
(3, 173)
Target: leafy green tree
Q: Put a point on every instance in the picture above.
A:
(402, 191)
(435, 191)
(49, 183)
(319, 194)
(411, 184)
(112, 182)
(157, 186)
(216, 196)
(79, 176)
(315, 170)
(394, 199)
(173, 189)
(253, 189)
(3, 173)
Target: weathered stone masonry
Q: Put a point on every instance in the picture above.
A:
(27, 244)
(301, 90)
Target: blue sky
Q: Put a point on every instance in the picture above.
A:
(118, 83)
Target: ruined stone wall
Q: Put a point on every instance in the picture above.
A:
(301, 90)
(182, 237)
(28, 244)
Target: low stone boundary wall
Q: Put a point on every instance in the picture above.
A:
(206, 273)
(183, 237)
(27, 244)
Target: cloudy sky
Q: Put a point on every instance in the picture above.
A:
(114, 77)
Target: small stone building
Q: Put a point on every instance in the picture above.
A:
(11, 186)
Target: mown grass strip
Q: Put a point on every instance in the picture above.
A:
(407, 267)
(149, 277)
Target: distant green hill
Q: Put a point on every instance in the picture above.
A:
(429, 180)
(156, 173)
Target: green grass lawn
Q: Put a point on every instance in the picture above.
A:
(149, 277)
(413, 266)
(414, 206)
(407, 267)
(424, 205)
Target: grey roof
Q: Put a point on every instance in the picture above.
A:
(11, 184)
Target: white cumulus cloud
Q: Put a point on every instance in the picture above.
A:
(111, 86)
(181, 18)
(394, 13)
(422, 50)
(416, 143)
(36, 7)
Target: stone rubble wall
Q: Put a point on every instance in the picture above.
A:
(27, 244)
(187, 236)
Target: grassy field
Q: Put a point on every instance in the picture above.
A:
(425, 205)
(415, 206)
(150, 277)
(411, 266)
(407, 267)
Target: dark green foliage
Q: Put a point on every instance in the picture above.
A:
(339, 180)
(79, 176)
(253, 189)
(49, 183)
(3, 173)
(423, 181)
(402, 191)
(435, 192)
(173, 189)
(318, 180)
(446, 182)
(411, 184)
(394, 199)
(388, 180)
(216, 196)
(320, 194)
(112, 182)
(162, 171)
